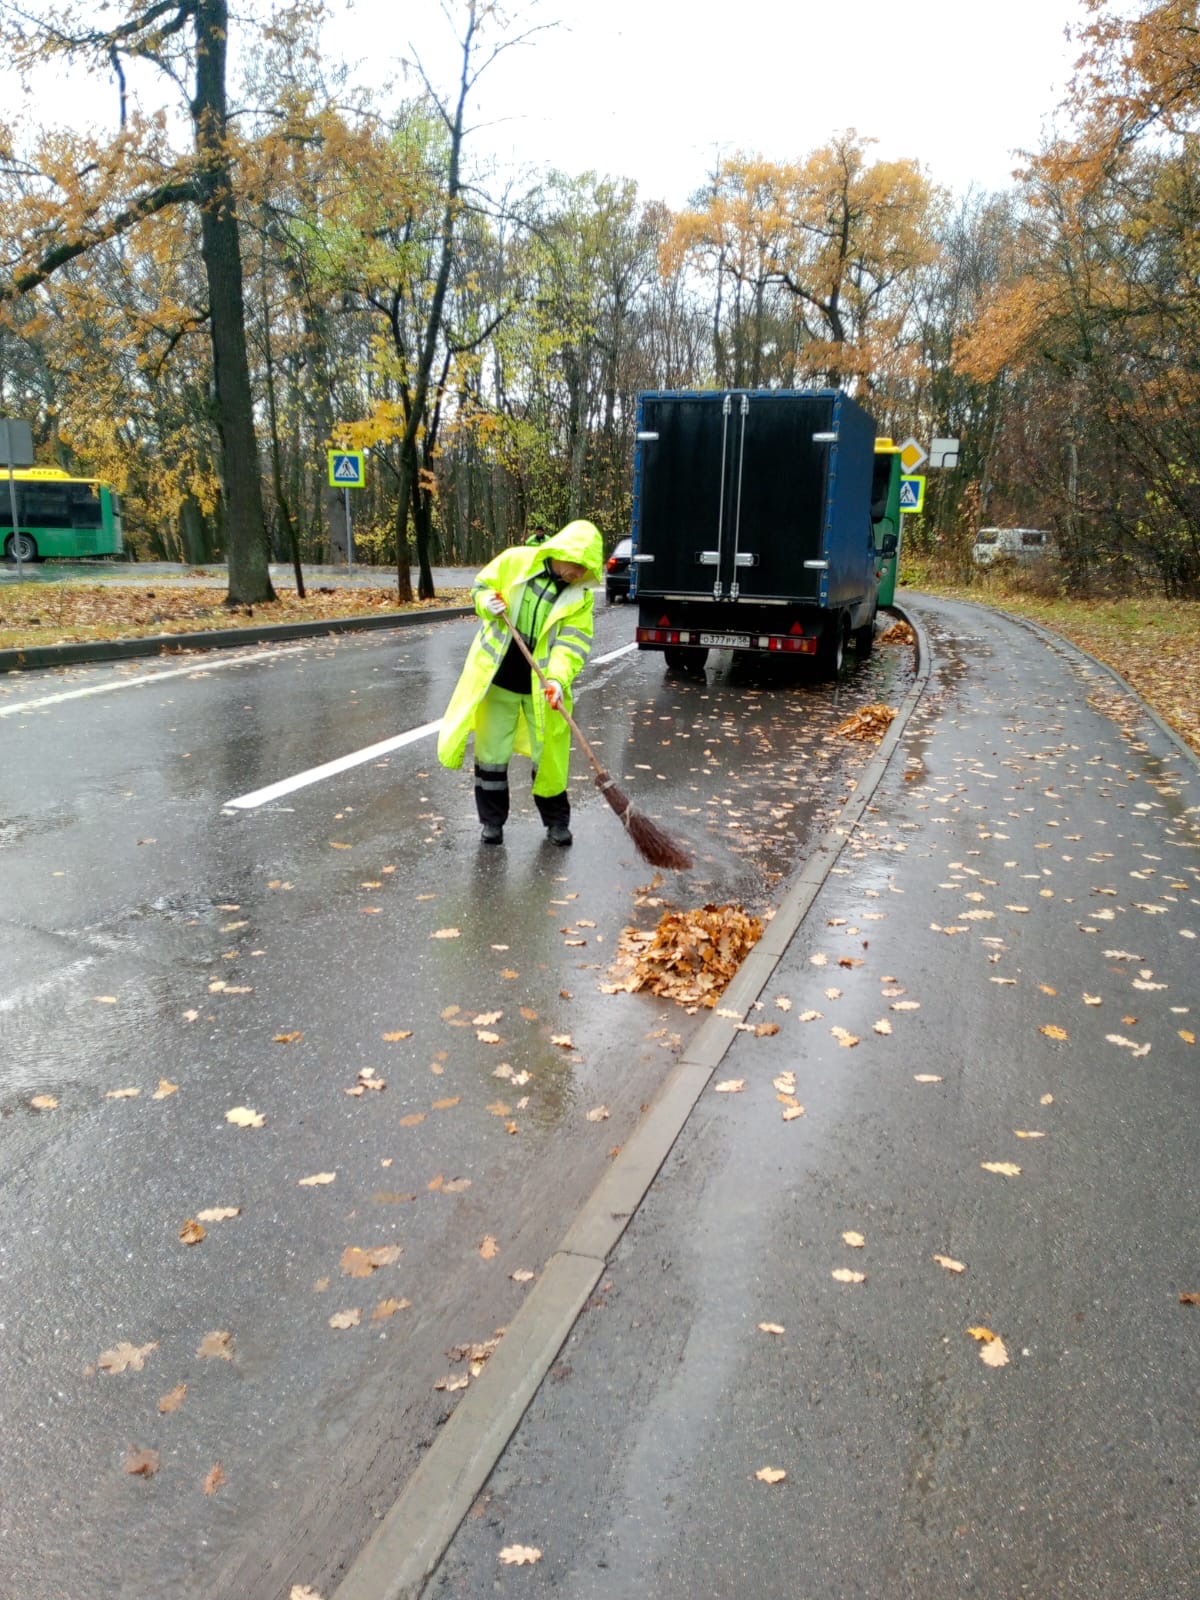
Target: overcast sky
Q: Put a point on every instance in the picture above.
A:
(655, 89)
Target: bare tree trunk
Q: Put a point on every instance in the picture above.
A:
(220, 250)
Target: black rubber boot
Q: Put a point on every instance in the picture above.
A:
(555, 812)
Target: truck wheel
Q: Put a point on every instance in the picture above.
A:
(864, 637)
(681, 660)
(831, 650)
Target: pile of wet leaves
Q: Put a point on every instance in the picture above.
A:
(690, 956)
(868, 722)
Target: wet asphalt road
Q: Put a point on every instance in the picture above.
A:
(1022, 912)
(157, 940)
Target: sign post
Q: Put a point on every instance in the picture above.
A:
(18, 452)
(347, 470)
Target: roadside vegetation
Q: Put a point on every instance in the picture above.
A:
(1154, 643)
(73, 613)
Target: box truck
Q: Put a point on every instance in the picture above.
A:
(752, 524)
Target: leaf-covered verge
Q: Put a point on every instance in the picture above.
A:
(1154, 644)
(48, 614)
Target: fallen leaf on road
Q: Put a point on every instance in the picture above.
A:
(1128, 1044)
(1092, 1000)
(447, 933)
(172, 1401)
(126, 1357)
(1188, 1038)
(730, 1086)
(790, 1113)
(218, 1213)
(244, 1117)
(766, 1030)
(1052, 1031)
(854, 1240)
(192, 1232)
(44, 1102)
(317, 1178)
(598, 1114)
(456, 1185)
(287, 1038)
(216, 1346)
(453, 1382)
(770, 1327)
(906, 1005)
(346, 1319)
(165, 1088)
(486, 1036)
(810, 1016)
(1028, 1133)
(782, 1003)
(122, 1094)
(563, 1040)
(522, 1275)
(926, 1077)
(950, 1264)
(770, 1474)
(1189, 1299)
(403, 1033)
(412, 1119)
(356, 1263)
(141, 1463)
(520, 1555)
(215, 1478)
(303, 1591)
(883, 1026)
(389, 1308)
(444, 1105)
(489, 1249)
(844, 1275)
(1006, 1169)
(846, 1039)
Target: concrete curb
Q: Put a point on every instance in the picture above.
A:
(415, 1532)
(67, 655)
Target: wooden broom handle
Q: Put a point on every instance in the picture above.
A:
(563, 712)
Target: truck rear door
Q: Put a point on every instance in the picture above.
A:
(729, 492)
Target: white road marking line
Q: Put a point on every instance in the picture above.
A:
(151, 677)
(330, 769)
(356, 758)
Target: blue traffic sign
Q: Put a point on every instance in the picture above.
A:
(347, 469)
(912, 493)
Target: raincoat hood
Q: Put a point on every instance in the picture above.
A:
(578, 541)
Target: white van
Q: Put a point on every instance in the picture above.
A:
(1012, 544)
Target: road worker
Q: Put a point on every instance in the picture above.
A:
(543, 591)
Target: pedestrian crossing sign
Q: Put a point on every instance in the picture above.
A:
(347, 469)
(912, 493)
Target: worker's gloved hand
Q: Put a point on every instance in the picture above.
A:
(495, 604)
(554, 695)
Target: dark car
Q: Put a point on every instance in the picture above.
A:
(616, 572)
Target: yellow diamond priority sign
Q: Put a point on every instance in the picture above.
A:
(911, 455)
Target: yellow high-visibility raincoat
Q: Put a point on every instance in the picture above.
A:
(560, 649)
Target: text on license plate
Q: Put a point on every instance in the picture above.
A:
(726, 641)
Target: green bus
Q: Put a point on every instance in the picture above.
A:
(58, 516)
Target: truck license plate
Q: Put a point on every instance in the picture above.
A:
(726, 641)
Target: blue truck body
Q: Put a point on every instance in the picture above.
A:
(752, 523)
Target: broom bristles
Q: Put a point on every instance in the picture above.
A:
(649, 840)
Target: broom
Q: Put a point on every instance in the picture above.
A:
(650, 842)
